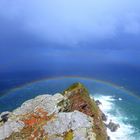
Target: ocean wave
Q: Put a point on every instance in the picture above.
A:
(109, 107)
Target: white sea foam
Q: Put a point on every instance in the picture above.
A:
(120, 99)
(126, 131)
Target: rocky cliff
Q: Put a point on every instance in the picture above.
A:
(71, 115)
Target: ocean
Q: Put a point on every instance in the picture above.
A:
(123, 75)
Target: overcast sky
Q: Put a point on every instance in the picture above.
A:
(38, 32)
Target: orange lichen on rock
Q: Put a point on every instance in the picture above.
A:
(36, 120)
(34, 123)
(36, 117)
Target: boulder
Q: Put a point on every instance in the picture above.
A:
(4, 116)
(108, 138)
(10, 127)
(104, 117)
(98, 102)
(113, 126)
(79, 123)
(48, 102)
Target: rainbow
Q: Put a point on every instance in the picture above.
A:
(86, 78)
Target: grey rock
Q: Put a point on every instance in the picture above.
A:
(98, 102)
(113, 126)
(80, 124)
(4, 116)
(76, 121)
(104, 117)
(108, 138)
(84, 134)
(9, 127)
(48, 102)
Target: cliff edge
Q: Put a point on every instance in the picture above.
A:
(71, 115)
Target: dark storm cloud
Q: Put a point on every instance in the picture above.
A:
(74, 20)
(45, 33)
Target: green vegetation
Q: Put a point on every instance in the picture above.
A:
(68, 135)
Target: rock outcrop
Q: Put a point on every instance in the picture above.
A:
(113, 126)
(71, 115)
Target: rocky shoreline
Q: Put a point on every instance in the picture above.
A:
(71, 115)
(112, 126)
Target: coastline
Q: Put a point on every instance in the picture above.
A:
(125, 130)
